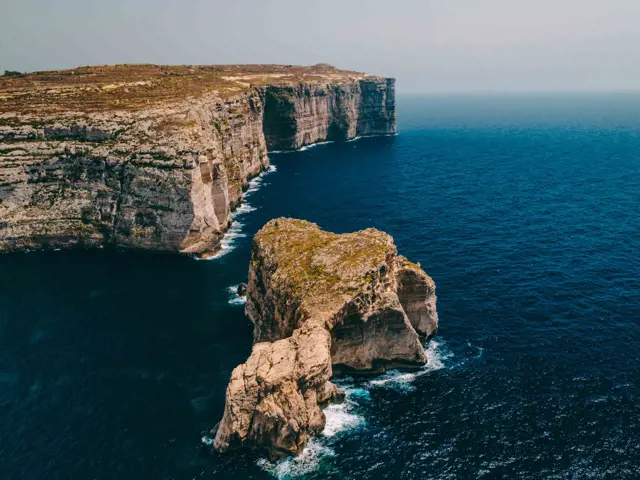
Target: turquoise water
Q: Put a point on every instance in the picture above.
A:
(524, 210)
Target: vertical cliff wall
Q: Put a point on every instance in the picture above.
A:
(160, 164)
(162, 179)
(298, 115)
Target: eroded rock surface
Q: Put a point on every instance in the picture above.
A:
(320, 303)
(157, 157)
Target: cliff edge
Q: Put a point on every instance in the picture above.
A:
(157, 157)
(321, 304)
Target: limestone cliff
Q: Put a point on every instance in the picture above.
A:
(321, 303)
(298, 115)
(156, 157)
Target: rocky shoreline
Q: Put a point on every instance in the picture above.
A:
(157, 157)
(321, 304)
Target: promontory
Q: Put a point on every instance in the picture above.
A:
(156, 157)
(321, 304)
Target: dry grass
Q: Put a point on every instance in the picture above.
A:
(314, 263)
(132, 87)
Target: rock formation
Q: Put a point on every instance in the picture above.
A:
(321, 303)
(156, 157)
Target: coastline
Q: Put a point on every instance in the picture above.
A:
(166, 173)
(235, 228)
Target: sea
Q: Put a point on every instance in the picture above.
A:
(523, 208)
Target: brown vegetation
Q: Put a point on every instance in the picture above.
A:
(132, 87)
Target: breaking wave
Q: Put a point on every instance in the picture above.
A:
(307, 462)
(354, 139)
(343, 416)
(316, 456)
(234, 298)
(227, 244)
(256, 182)
(347, 416)
(228, 240)
(308, 147)
(302, 149)
(437, 354)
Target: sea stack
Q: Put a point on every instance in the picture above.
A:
(157, 157)
(321, 303)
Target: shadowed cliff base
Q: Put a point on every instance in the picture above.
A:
(157, 157)
(318, 300)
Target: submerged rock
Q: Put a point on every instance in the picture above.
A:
(321, 303)
(242, 290)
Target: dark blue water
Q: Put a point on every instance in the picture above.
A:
(523, 209)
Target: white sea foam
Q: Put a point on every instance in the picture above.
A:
(227, 244)
(234, 298)
(228, 240)
(256, 182)
(344, 417)
(371, 136)
(307, 147)
(302, 149)
(293, 467)
(437, 354)
(242, 209)
(341, 417)
(207, 440)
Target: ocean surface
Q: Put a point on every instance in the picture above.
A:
(524, 210)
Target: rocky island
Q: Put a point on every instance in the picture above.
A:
(156, 157)
(321, 304)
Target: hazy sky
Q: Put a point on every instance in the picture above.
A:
(428, 45)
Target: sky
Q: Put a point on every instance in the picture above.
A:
(428, 45)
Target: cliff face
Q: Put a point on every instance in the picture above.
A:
(157, 157)
(298, 115)
(163, 178)
(321, 303)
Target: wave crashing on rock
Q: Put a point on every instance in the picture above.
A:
(321, 304)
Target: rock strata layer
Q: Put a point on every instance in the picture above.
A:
(320, 303)
(157, 157)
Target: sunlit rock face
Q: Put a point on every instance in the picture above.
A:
(321, 303)
(157, 157)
